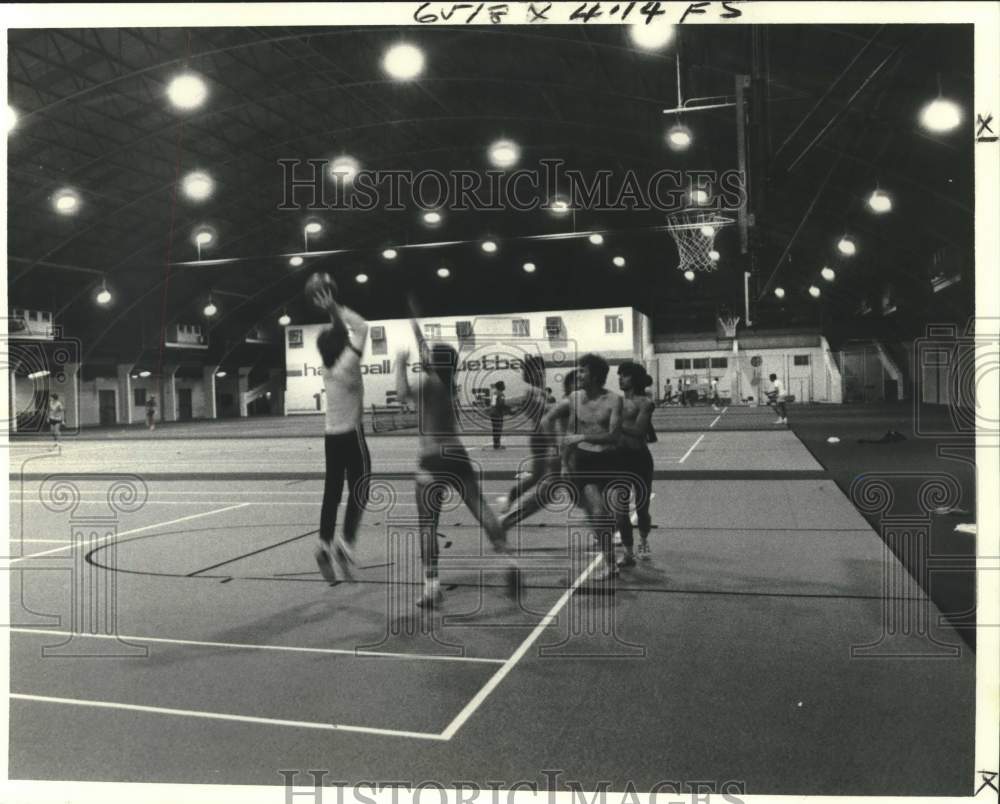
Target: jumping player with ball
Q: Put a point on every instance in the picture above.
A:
(341, 345)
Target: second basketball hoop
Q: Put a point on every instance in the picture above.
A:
(694, 231)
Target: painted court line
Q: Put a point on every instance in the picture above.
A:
(134, 530)
(691, 448)
(160, 710)
(470, 708)
(243, 646)
(719, 416)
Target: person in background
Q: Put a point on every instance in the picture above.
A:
(668, 393)
(498, 406)
(776, 397)
(715, 393)
(56, 415)
(151, 412)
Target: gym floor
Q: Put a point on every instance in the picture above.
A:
(761, 612)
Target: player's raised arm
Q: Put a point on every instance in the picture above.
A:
(357, 327)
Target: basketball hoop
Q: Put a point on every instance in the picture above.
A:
(694, 231)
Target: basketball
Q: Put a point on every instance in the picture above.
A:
(318, 282)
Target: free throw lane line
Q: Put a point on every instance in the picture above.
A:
(267, 721)
(691, 448)
(471, 707)
(134, 530)
(246, 646)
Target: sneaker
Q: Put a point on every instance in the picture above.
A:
(344, 556)
(432, 596)
(325, 565)
(644, 553)
(779, 421)
(604, 575)
(627, 560)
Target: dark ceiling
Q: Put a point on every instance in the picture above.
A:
(833, 113)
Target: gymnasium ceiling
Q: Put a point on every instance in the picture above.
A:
(836, 115)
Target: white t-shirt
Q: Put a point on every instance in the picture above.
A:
(778, 388)
(344, 387)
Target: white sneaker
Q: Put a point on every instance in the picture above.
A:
(343, 555)
(779, 421)
(617, 540)
(432, 596)
(643, 551)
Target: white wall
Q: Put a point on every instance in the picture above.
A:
(496, 355)
(740, 379)
(89, 409)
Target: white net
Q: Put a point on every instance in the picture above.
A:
(694, 232)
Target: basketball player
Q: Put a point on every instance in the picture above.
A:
(548, 469)
(442, 459)
(533, 405)
(590, 448)
(776, 397)
(498, 407)
(340, 346)
(715, 394)
(637, 462)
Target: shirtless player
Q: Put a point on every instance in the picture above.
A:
(637, 408)
(590, 448)
(442, 459)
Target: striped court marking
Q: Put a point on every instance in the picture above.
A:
(430, 657)
(470, 708)
(719, 416)
(268, 721)
(134, 530)
(691, 448)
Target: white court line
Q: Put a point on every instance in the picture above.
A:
(40, 541)
(134, 530)
(691, 448)
(715, 420)
(471, 707)
(245, 646)
(159, 710)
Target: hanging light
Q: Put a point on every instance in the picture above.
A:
(403, 61)
(313, 227)
(187, 91)
(12, 117)
(700, 196)
(529, 267)
(880, 201)
(220, 374)
(432, 218)
(504, 153)
(210, 308)
(814, 291)
(651, 36)
(941, 115)
(779, 292)
(489, 246)
(444, 273)
(689, 275)
(344, 168)
(361, 278)
(847, 246)
(679, 137)
(559, 207)
(296, 261)
(103, 295)
(828, 273)
(390, 254)
(197, 185)
(713, 255)
(285, 319)
(66, 201)
(619, 262)
(144, 374)
(596, 239)
(708, 231)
